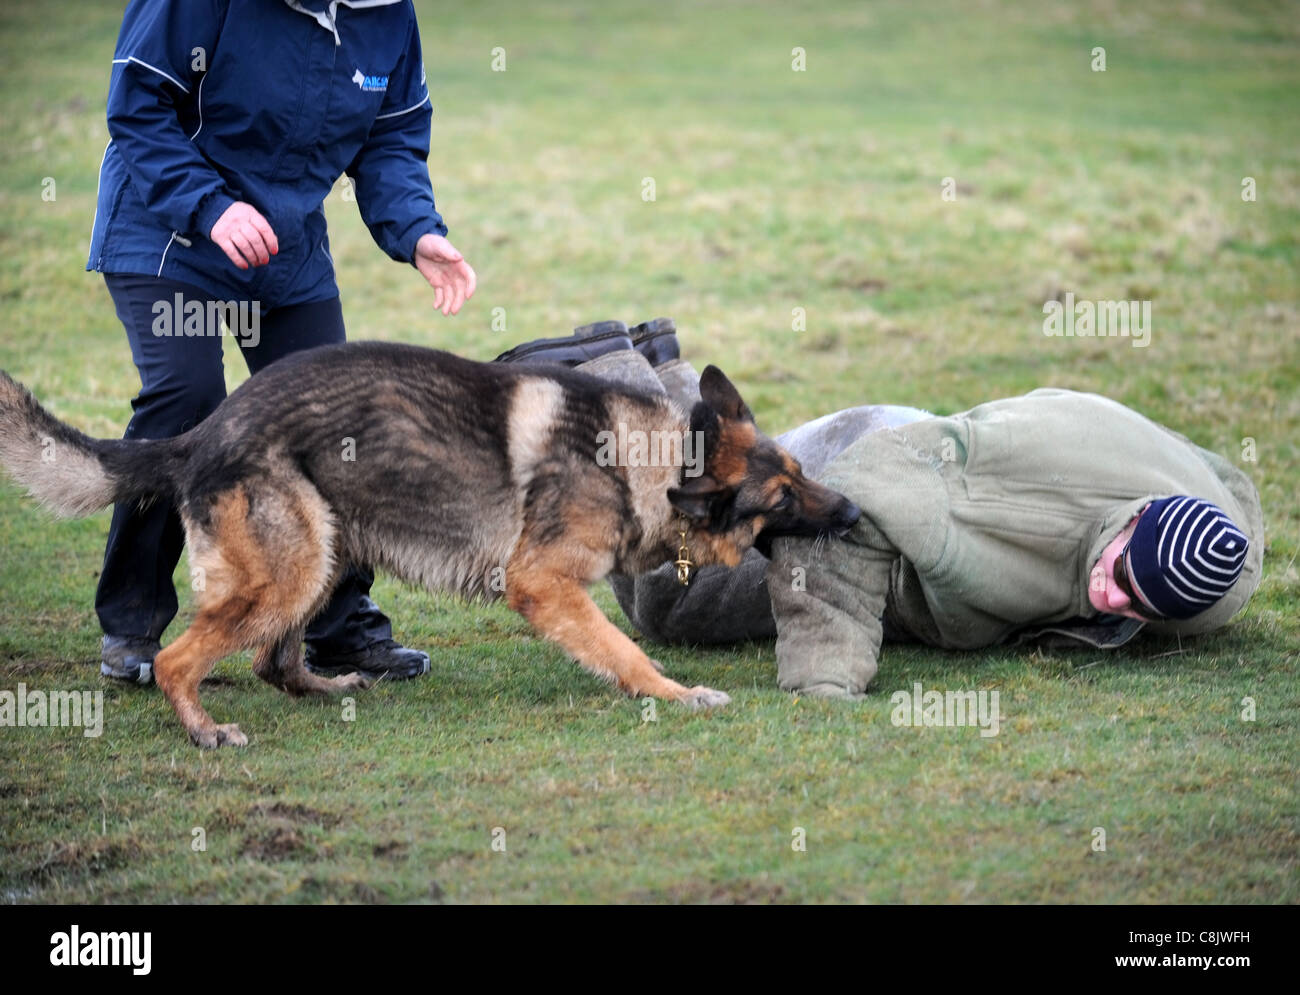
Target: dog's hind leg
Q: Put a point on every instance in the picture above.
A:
(264, 555)
(559, 608)
(280, 665)
(183, 663)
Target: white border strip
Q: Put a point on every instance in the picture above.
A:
(406, 111)
(155, 69)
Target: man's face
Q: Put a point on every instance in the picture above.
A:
(1103, 591)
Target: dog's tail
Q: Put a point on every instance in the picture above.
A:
(71, 473)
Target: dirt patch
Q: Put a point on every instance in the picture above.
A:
(275, 830)
(392, 849)
(280, 843)
(345, 890)
(93, 856)
(739, 892)
(298, 815)
(866, 284)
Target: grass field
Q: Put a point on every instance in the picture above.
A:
(775, 189)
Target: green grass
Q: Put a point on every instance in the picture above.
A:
(775, 190)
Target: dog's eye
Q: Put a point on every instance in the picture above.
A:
(787, 499)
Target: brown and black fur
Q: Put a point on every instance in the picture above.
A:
(471, 477)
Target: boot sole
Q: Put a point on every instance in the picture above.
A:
(142, 676)
(339, 670)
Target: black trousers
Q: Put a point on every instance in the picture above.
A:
(182, 381)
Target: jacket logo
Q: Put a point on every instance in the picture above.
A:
(371, 83)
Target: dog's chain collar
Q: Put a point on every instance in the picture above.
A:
(683, 561)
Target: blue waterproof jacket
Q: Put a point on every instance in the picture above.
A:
(269, 102)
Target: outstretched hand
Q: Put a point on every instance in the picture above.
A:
(451, 277)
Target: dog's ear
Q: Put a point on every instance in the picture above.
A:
(721, 395)
(704, 420)
(697, 498)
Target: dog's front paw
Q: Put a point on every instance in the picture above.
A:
(700, 697)
(352, 682)
(226, 735)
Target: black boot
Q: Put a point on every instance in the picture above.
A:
(611, 336)
(351, 634)
(386, 659)
(656, 340)
(599, 328)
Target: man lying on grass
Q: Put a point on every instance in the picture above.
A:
(1054, 517)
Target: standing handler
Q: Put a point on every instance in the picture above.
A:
(230, 122)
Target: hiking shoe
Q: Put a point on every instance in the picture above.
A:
(128, 658)
(386, 659)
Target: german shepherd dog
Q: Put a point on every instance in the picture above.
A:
(446, 472)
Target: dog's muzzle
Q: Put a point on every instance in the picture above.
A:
(846, 519)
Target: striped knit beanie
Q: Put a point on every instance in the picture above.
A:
(1184, 556)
